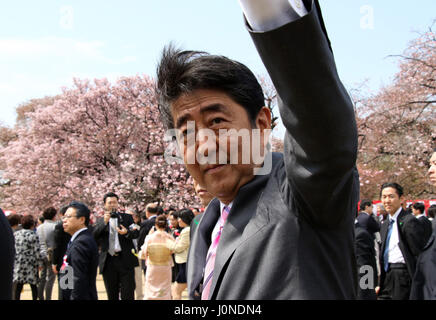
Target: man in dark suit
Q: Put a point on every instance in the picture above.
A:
(366, 263)
(366, 217)
(424, 280)
(281, 226)
(61, 240)
(7, 254)
(418, 210)
(114, 233)
(81, 257)
(151, 211)
(402, 242)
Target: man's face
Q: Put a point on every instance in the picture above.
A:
(369, 209)
(111, 204)
(390, 200)
(432, 169)
(71, 223)
(214, 112)
(416, 212)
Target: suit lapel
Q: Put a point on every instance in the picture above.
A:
(384, 233)
(239, 225)
(200, 244)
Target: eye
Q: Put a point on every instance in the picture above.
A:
(217, 121)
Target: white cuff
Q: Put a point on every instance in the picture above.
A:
(266, 15)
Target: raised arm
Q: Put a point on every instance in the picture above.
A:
(320, 145)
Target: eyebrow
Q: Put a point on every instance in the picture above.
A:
(216, 107)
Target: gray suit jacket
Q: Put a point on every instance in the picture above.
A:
(290, 234)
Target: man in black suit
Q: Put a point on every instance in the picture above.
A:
(366, 263)
(424, 280)
(402, 242)
(61, 240)
(81, 258)
(151, 211)
(366, 217)
(114, 233)
(418, 210)
(281, 225)
(7, 254)
(431, 212)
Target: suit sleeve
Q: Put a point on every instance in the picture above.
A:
(131, 234)
(57, 234)
(373, 225)
(80, 257)
(320, 144)
(182, 242)
(414, 233)
(101, 229)
(363, 246)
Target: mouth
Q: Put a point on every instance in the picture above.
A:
(211, 169)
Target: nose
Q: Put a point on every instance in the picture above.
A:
(206, 146)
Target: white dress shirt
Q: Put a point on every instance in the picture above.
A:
(266, 15)
(76, 234)
(113, 225)
(395, 255)
(421, 215)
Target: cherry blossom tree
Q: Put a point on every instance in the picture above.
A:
(91, 139)
(397, 125)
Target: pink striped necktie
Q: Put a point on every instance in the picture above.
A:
(211, 255)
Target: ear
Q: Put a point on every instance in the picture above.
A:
(263, 119)
(83, 220)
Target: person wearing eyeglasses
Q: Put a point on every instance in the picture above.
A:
(81, 259)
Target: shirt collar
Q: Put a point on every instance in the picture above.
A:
(222, 205)
(420, 215)
(395, 217)
(77, 233)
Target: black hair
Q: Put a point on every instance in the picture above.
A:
(63, 209)
(49, 213)
(152, 209)
(186, 215)
(394, 185)
(160, 210)
(81, 210)
(181, 72)
(419, 206)
(109, 195)
(365, 203)
(14, 219)
(431, 211)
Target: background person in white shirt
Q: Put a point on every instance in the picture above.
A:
(402, 241)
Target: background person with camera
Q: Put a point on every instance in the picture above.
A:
(114, 233)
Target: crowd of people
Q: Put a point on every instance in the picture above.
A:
(143, 256)
(135, 253)
(389, 239)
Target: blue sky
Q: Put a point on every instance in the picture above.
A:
(44, 44)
